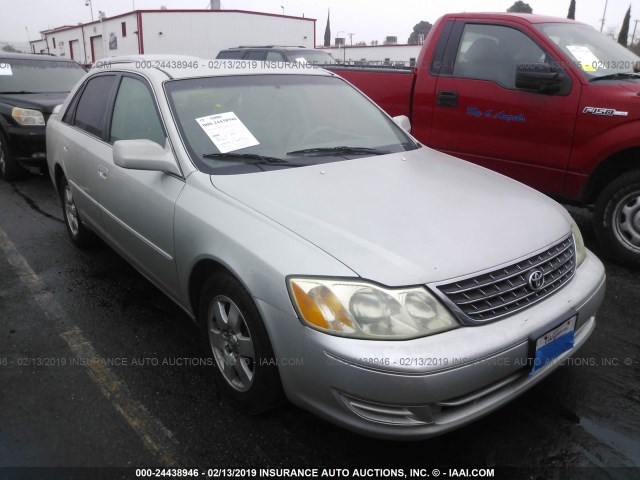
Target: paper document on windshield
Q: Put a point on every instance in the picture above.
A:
(587, 59)
(5, 69)
(227, 132)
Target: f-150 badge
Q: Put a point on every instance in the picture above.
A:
(605, 112)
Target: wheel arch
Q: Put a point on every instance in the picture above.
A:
(608, 170)
(200, 273)
(58, 173)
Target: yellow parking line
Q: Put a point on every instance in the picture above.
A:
(155, 436)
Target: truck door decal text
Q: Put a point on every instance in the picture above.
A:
(501, 115)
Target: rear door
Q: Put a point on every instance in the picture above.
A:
(84, 143)
(480, 115)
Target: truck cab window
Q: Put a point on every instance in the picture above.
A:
(492, 52)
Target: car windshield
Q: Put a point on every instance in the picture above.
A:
(38, 75)
(312, 56)
(241, 124)
(595, 54)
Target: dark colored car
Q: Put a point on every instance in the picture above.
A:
(278, 53)
(31, 85)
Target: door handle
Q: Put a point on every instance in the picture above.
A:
(103, 172)
(447, 99)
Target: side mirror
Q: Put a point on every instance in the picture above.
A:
(56, 109)
(144, 155)
(540, 78)
(403, 122)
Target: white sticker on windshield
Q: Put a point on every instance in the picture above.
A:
(5, 69)
(585, 57)
(301, 60)
(227, 132)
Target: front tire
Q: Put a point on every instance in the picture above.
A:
(235, 336)
(80, 236)
(617, 219)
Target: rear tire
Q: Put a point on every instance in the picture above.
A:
(78, 233)
(617, 219)
(234, 335)
(9, 168)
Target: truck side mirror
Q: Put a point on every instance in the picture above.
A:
(540, 78)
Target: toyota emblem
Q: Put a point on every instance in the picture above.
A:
(536, 280)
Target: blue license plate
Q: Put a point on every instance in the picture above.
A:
(554, 343)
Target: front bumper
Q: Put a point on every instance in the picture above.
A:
(420, 388)
(27, 145)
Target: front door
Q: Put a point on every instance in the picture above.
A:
(481, 116)
(138, 205)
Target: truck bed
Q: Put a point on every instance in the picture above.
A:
(390, 88)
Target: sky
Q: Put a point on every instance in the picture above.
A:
(367, 19)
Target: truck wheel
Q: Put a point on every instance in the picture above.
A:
(617, 219)
(235, 337)
(9, 168)
(78, 233)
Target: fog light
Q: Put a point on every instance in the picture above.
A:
(400, 415)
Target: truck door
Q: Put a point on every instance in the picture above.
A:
(481, 116)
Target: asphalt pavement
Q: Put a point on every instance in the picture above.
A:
(99, 369)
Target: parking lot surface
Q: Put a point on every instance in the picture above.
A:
(99, 369)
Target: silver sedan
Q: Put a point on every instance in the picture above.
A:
(326, 256)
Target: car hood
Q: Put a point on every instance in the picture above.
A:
(45, 102)
(405, 219)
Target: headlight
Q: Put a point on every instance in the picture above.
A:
(26, 116)
(363, 310)
(581, 252)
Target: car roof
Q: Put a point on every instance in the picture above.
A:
(173, 67)
(34, 56)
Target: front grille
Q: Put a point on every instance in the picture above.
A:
(501, 292)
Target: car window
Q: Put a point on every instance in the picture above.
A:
(312, 56)
(593, 53)
(134, 114)
(230, 54)
(493, 52)
(277, 116)
(275, 57)
(256, 55)
(92, 106)
(38, 75)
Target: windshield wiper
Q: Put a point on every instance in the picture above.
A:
(339, 151)
(21, 92)
(244, 156)
(615, 76)
(259, 159)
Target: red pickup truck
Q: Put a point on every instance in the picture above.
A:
(550, 102)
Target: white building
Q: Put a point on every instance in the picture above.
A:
(201, 33)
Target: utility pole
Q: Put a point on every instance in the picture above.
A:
(351, 38)
(633, 37)
(604, 15)
(88, 3)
